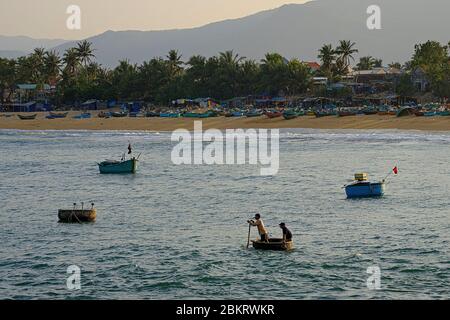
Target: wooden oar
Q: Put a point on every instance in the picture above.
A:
(248, 239)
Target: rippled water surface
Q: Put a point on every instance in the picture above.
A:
(179, 232)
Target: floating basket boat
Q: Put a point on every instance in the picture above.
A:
(77, 215)
(273, 244)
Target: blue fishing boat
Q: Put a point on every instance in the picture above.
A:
(82, 116)
(112, 166)
(169, 115)
(237, 114)
(253, 113)
(362, 188)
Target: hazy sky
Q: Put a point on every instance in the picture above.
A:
(47, 18)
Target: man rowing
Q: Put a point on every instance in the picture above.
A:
(261, 229)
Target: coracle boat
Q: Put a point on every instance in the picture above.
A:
(77, 215)
(30, 117)
(112, 166)
(362, 188)
(273, 244)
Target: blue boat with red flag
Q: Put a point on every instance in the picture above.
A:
(361, 187)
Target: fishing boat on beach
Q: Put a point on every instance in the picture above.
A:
(54, 115)
(169, 115)
(273, 114)
(253, 113)
(82, 116)
(289, 115)
(197, 114)
(151, 114)
(362, 188)
(30, 117)
(273, 244)
(76, 215)
(119, 114)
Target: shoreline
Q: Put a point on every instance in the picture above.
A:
(360, 122)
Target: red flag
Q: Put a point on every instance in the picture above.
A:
(129, 148)
(395, 170)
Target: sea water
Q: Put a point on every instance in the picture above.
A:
(180, 232)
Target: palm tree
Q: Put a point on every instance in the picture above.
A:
(175, 63)
(345, 50)
(52, 66)
(84, 52)
(228, 58)
(366, 63)
(37, 64)
(327, 56)
(71, 60)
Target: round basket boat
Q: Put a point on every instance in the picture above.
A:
(273, 244)
(77, 216)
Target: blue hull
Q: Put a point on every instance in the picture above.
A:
(365, 190)
(128, 166)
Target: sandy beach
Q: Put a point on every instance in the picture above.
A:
(437, 123)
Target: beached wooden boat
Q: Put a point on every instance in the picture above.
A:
(169, 115)
(112, 166)
(82, 116)
(30, 117)
(430, 113)
(77, 216)
(273, 244)
(197, 114)
(152, 114)
(119, 114)
(273, 114)
(346, 113)
(54, 115)
(289, 115)
(252, 114)
(444, 113)
(237, 114)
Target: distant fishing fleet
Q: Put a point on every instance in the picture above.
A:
(288, 112)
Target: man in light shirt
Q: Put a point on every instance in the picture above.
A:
(261, 229)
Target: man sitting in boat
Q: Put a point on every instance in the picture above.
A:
(261, 229)
(287, 234)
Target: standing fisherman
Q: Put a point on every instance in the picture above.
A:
(261, 229)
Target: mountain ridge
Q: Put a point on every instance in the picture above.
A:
(293, 30)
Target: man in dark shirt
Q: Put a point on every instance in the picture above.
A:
(287, 234)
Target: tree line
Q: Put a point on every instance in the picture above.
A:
(159, 80)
